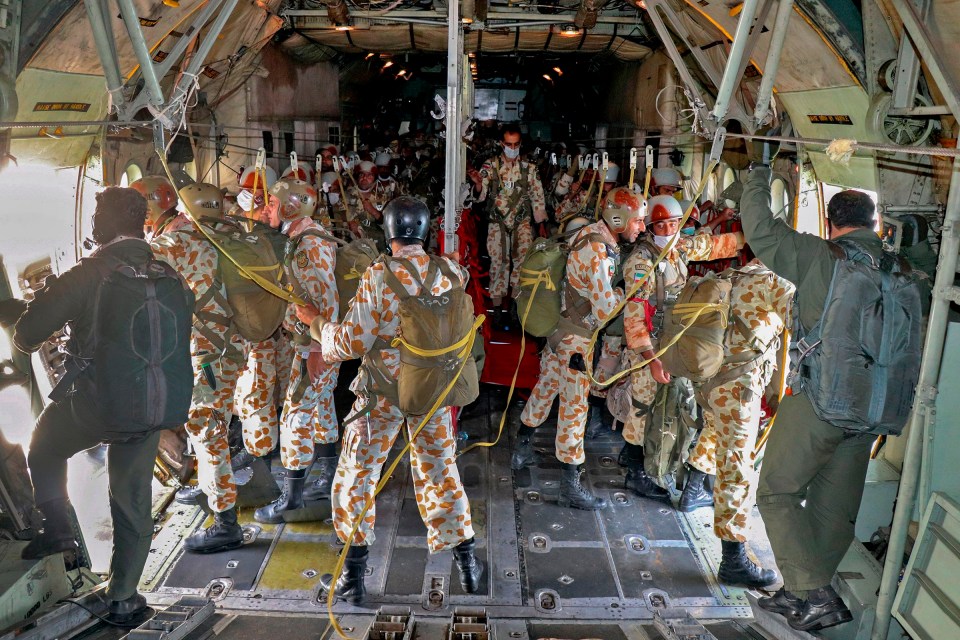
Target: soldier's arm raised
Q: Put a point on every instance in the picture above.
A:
(787, 252)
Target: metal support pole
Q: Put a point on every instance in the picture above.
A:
(777, 38)
(451, 208)
(730, 73)
(926, 397)
(929, 53)
(97, 13)
(208, 41)
(151, 84)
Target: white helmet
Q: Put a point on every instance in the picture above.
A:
(666, 177)
(303, 172)
(327, 180)
(366, 167)
(247, 178)
(383, 159)
(613, 172)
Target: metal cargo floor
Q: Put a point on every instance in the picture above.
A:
(544, 564)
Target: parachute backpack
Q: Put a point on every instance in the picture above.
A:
(141, 367)
(435, 334)
(860, 363)
(542, 274)
(257, 313)
(353, 259)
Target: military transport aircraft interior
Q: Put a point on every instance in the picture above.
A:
(479, 319)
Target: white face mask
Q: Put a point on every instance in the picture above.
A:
(511, 153)
(245, 200)
(662, 241)
(334, 198)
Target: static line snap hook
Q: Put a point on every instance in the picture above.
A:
(606, 162)
(649, 155)
(318, 165)
(633, 157)
(718, 140)
(336, 163)
(261, 159)
(294, 165)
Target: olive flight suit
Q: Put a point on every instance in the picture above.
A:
(813, 472)
(72, 424)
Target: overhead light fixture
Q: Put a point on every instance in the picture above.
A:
(559, 72)
(172, 3)
(640, 4)
(569, 29)
(466, 20)
(547, 77)
(388, 64)
(343, 27)
(369, 55)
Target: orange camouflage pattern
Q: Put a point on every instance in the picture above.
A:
(260, 390)
(732, 415)
(309, 414)
(511, 249)
(211, 407)
(590, 270)
(372, 321)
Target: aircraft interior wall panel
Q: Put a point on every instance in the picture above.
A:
(291, 91)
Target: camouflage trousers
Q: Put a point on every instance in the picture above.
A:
(308, 411)
(506, 256)
(441, 498)
(643, 389)
(541, 399)
(208, 420)
(260, 390)
(726, 448)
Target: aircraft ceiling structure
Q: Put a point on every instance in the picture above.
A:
(61, 78)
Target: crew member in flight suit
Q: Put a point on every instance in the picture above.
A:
(669, 276)
(218, 355)
(759, 311)
(512, 189)
(72, 424)
(308, 410)
(813, 472)
(366, 331)
(589, 299)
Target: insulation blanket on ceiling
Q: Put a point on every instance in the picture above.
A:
(52, 96)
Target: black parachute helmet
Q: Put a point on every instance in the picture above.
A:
(406, 217)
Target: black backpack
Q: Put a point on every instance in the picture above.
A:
(860, 363)
(141, 367)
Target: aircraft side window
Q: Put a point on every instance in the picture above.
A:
(131, 175)
(780, 199)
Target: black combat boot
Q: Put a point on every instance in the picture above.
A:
(637, 479)
(320, 488)
(55, 535)
(291, 498)
(470, 568)
(596, 425)
(349, 585)
(573, 494)
(128, 610)
(823, 608)
(224, 534)
(523, 453)
(782, 602)
(695, 493)
(736, 569)
(189, 495)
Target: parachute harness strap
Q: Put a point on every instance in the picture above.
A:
(529, 277)
(462, 346)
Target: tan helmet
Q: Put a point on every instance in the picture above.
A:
(159, 194)
(202, 200)
(663, 208)
(298, 199)
(620, 207)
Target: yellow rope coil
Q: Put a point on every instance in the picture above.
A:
(463, 345)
